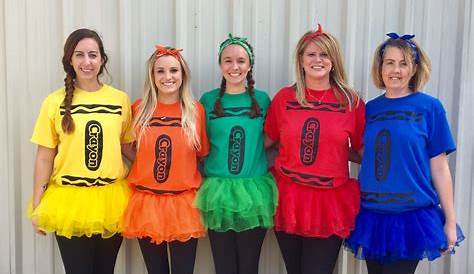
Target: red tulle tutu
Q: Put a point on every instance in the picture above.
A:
(314, 212)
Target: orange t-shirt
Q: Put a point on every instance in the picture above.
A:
(165, 161)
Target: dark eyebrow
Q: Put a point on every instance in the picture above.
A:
(92, 51)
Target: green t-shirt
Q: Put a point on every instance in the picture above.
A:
(236, 140)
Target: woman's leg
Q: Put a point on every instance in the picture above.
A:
(155, 256)
(183, 256)
(77, 254)
(319, 255)
(290, 247)
(249, 245)
(224, 251)
(106, 251)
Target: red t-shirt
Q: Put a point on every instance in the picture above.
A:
(165, 161)
(314, 141)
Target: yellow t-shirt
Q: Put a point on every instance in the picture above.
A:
(91, 155)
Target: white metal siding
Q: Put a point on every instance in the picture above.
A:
(32, 34)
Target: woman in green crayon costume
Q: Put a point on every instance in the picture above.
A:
(239, 197)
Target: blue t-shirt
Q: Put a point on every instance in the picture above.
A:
(401, 136)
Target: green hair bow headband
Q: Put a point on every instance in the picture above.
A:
(234, 40)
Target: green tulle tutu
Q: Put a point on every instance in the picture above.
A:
(238, 203)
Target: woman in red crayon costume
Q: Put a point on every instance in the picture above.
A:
(317, 122)
(171, 136)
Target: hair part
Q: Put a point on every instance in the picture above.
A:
(345, 94)
(422, 70)
(149, 103)
(67, 122)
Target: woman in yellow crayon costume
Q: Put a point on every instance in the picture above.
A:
(80, 192)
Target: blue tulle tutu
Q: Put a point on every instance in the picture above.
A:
(411, 235)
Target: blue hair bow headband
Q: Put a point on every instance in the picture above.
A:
(407, 38)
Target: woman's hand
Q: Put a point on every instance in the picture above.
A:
(36, 228)
(450, 231)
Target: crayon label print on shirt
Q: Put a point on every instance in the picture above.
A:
(236, 149)
(309, 141)
(382, 157)
(162, 166)
(94, 138)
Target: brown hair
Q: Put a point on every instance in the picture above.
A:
(422, 69)
(73, 39)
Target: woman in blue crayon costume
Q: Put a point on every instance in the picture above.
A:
(238, 198)
(407, 210)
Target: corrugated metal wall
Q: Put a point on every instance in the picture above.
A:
(31, 38)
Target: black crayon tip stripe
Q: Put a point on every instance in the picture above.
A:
(308, 179)
(165, 121)
(315, 106)
(233, 112)
(85, 181)
(399, 115)
(388, 197)
(93, 108)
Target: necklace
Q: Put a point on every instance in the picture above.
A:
(316, 99)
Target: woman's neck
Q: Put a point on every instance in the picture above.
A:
(317, 85)
(91, 86)
(235, 89)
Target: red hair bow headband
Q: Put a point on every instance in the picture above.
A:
(315, 34)
(160, 51)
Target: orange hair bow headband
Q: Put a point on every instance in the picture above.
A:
(315, 34)
(160, 51)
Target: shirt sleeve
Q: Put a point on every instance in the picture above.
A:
(440, 138)
(201, 127)
(357, 136)
(127, 130)
(45, 133)
(271, 126)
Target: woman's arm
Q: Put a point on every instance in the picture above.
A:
(129, 151)
(268, 142)
(444, 187)
(355, 156)
(43, 169)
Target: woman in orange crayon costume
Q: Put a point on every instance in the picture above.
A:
(316, 122)
(170, 137)
(80, 190)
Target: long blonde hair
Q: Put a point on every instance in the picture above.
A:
(150, 100)
(345, 94)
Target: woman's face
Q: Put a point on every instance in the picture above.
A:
(316, 63)
(235, 65)
(396, 71)
(168, 76)
(86, 60)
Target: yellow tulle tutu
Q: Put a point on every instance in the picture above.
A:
(77, 211)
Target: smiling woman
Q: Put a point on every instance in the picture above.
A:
(80, 127)
(171, 137)
(316, 122)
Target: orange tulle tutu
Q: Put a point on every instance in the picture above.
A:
(162, 217)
